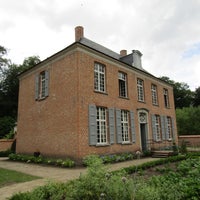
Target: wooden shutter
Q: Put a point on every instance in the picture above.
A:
(119, 126)
(46, 83)
(153, 121)
(92, 125)
(111, 113)
(37, 87)
(163, 128)
(132, 126)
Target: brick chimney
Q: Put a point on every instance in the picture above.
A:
(79, 33)
(123, 53)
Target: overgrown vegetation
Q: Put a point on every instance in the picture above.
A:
(188, 121)
(181, 183)
(8, 177)
(42, 160)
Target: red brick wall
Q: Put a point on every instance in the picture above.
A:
(191, 140)
(6, 144)
(58, 125)
(111, 99)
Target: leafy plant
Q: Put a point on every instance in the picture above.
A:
(40, 159)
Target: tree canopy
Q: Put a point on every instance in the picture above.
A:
(183, 96)
(9, 88)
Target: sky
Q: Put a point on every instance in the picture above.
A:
(167, 33)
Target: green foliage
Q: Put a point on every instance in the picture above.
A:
(40, 159)
(188, 122)
(101, 184)
(183, 147)
(183, 96)
(5, 153)
(9, 84)
(7, 123)
(196, 101)
(113, 158)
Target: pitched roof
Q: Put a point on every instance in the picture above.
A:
(99, 48)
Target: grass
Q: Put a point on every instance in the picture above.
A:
(8, 177)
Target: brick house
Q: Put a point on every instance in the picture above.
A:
(87, 99)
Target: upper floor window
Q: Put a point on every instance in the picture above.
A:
(140, 89)
(122, 77)
(99, 77)
(125, 125)
(101, 121)
(41, 85)
(166, 98)
(154, 94)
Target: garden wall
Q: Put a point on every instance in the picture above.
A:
(6, 144)
(191, 140)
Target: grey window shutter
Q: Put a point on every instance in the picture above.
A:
(163, 128)
(92, 125)
(46, 83)
(119, 126)
(166, 129)
(37, 87)
(111, 113)
(132, 126)
(153, 120)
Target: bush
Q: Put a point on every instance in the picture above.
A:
(5, 153)
(40, 159)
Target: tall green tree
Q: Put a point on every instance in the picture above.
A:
(196, 101)
(183, 96)
(188, 120)
(9, 89)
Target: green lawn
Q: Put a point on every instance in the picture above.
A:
(8, 177)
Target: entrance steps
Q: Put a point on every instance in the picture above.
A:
(161, 154)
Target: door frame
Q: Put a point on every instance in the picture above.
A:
(143, 119)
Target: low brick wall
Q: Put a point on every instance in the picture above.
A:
(6, 144)
(191, 140)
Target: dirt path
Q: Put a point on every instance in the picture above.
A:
(48, 173)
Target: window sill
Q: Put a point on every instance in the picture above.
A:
(141, 101)
(124, 98)
(41, 99)
(126, 143)
(102, 145)
(99, 92)
(155, 105)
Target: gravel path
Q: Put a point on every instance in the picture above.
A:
(48, 173)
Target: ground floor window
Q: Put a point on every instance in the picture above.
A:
(125, 125)
(101, 125)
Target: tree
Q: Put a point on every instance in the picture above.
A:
(188, 121)
(9, 89)
(3, 61)
(196, 101)
(183, 96)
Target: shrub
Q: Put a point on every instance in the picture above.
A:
(5, 153)
(40, 159)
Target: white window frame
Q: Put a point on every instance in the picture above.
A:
(140, 89)
(125, 126)
(99, 77)
(158, 128)
(169, 128)
(42, 79)
(122, 77)
(154, 94)
(101, 121)
(166, 97)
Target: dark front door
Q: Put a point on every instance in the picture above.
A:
(143, 133)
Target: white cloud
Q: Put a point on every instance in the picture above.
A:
(166, 32)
